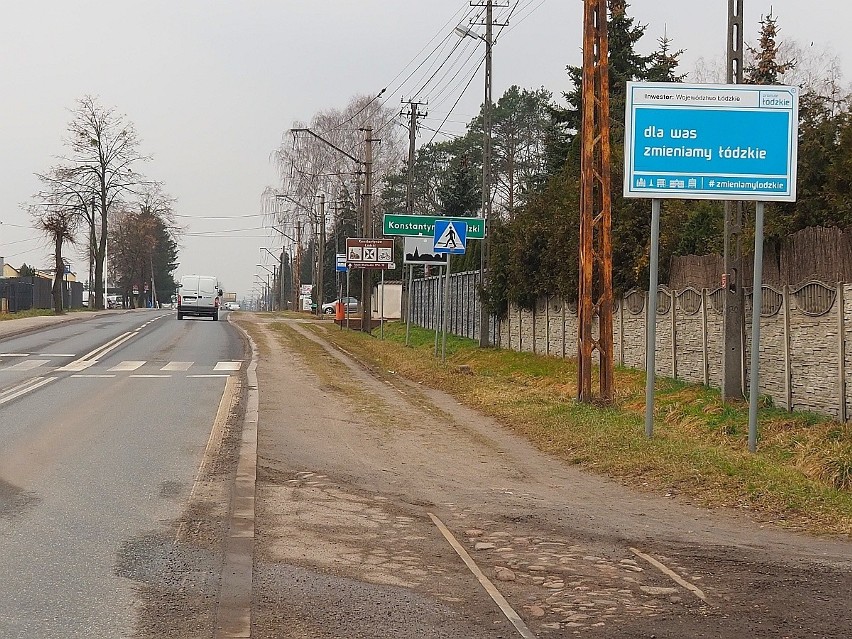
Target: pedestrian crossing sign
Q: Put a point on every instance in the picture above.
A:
(450, 237)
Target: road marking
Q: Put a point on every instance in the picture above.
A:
(127, 366)
(77, 365)
(207, 376)
(14, 354)
(227, 366)
(90, 375)
(103, 348)
(151, 376)
(177, 366)
(490, 588)
(26, 365)
(38, 382)
(671, 574)
(57, 355)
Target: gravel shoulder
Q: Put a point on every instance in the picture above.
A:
(351, 463)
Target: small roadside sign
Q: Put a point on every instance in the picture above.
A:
(421, 250)
(369, 253)
(450, 237)
(340, 263)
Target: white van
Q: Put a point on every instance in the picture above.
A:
(198, 295)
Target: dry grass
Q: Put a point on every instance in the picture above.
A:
(800, 477)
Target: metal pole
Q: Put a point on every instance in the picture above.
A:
(408, 303)
(733, 298)
(756, 303)
(445, 307)
(438, 282)
(382, 309)
(346, 306)
(651, 348)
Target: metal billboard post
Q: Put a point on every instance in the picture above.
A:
(408, 304)
(713, 142)
(756, 303)
(438, 296)
(651, 329)
(382, 309)
(445, 307)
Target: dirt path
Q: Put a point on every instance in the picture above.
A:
(351, 465)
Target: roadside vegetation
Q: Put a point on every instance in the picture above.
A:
(800, 478)
(34, 312)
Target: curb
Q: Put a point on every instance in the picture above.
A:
(233, 616)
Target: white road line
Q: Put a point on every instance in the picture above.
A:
(150, 376)
(93, 376)
(97, 352)
(77, 365)
(695, 590)
(127, 366)
(490, 588)
(14, 354)
(57, 355)
(42, 381)
(227, 366)
(26, 365)
(203, 376)
(177, 366)
(23, 384)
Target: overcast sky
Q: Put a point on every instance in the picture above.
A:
(212, 85)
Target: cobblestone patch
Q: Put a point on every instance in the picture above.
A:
(563, 587)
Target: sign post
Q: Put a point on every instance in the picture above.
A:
(713, 142)
(450, 238)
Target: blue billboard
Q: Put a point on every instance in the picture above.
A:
(710, 141)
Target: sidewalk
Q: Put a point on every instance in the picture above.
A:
(24, 325)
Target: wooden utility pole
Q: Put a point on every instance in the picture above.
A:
(595, 290)
(734, 299)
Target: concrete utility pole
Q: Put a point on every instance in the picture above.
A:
(734, 300)
(367, 222)
(484, 316)
(595, 290)
(412, 134)
(409, 204)
(297, 274)
(321, 254)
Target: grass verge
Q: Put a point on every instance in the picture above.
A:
(35, 312)
(801, 476)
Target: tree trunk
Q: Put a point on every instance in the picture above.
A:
(59, 276)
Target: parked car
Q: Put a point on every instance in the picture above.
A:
(231, 306)
(351, 304)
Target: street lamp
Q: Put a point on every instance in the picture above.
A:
(278, 276)
(467, 32)
(268, 286)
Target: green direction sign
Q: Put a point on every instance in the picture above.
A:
(413, 225)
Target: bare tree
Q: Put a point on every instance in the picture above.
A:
(308, 166)
(58, 221)
(99, 170)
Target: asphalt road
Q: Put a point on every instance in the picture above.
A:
(103, 426)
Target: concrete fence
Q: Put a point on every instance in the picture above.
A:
(805, 363)
(463, 309)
